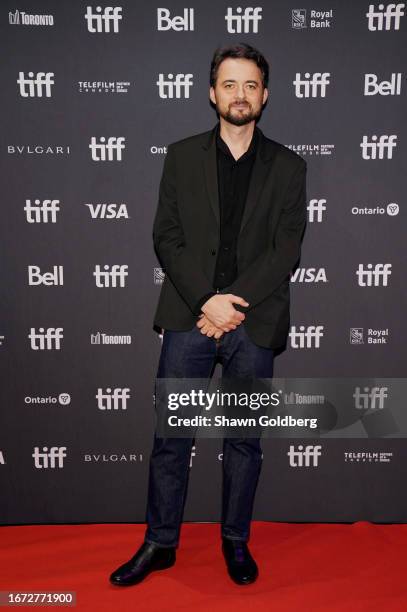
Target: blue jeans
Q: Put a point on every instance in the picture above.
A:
(191, 354)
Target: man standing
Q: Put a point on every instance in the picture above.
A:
(228, 230)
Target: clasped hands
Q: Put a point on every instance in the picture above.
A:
(219, 315)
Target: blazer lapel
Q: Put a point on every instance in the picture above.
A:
(261, 168)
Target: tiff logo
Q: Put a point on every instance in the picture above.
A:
(315, 209)
(107, 151)
(181, 84)
(385, 18)
(110, 278)
(41, 212)
(311, 86)
(306, 337)
(369, 397)
(100, 22)
(375, 149)
(36, 86)
(178, 23)
(46, 340)
(373, 277)
(307, 457)
(112, 399)
(51, 458)
(250, 16)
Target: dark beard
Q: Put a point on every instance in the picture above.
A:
(239, 119)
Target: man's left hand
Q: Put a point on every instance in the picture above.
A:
(208, 328)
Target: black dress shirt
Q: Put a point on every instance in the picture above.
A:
(233, 184)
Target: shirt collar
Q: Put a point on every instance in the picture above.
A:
(221, 144)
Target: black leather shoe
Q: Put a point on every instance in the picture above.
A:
(241, 566)
(148, 558)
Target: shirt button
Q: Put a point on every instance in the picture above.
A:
(221, 274)
(213, 252)
(225, 248)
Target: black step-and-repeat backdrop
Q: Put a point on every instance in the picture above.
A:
(92, 95)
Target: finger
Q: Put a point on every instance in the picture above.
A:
(236, 299)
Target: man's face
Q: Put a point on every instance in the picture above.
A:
(239, 94)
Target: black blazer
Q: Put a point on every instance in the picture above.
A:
(186, 235)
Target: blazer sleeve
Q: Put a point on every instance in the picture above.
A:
(174, 254)
(273, 266)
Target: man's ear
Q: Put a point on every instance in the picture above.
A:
(212, 95)
(265, 95)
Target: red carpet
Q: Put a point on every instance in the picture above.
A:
(309, 567)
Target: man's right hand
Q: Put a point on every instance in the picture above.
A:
(219, 309)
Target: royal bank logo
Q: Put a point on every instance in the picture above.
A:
(112, 399)
(103, 86)
(356, 335)
(243, 21)
(378, 147)
(177, 23)
(373, 335)
(385, 17)
(317, 19)
(103, 20)
(107, 150)
(28, 19)
(304, 457)
(299, 19)
(316, 208)
(174, 86)
(158, 276)
(36, 85)
(303, 337)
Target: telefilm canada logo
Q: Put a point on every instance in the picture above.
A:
(103, 86)
(311, 149)
(367, 457)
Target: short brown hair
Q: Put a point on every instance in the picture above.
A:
(241, 50)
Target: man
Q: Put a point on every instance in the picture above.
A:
(228, 229)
